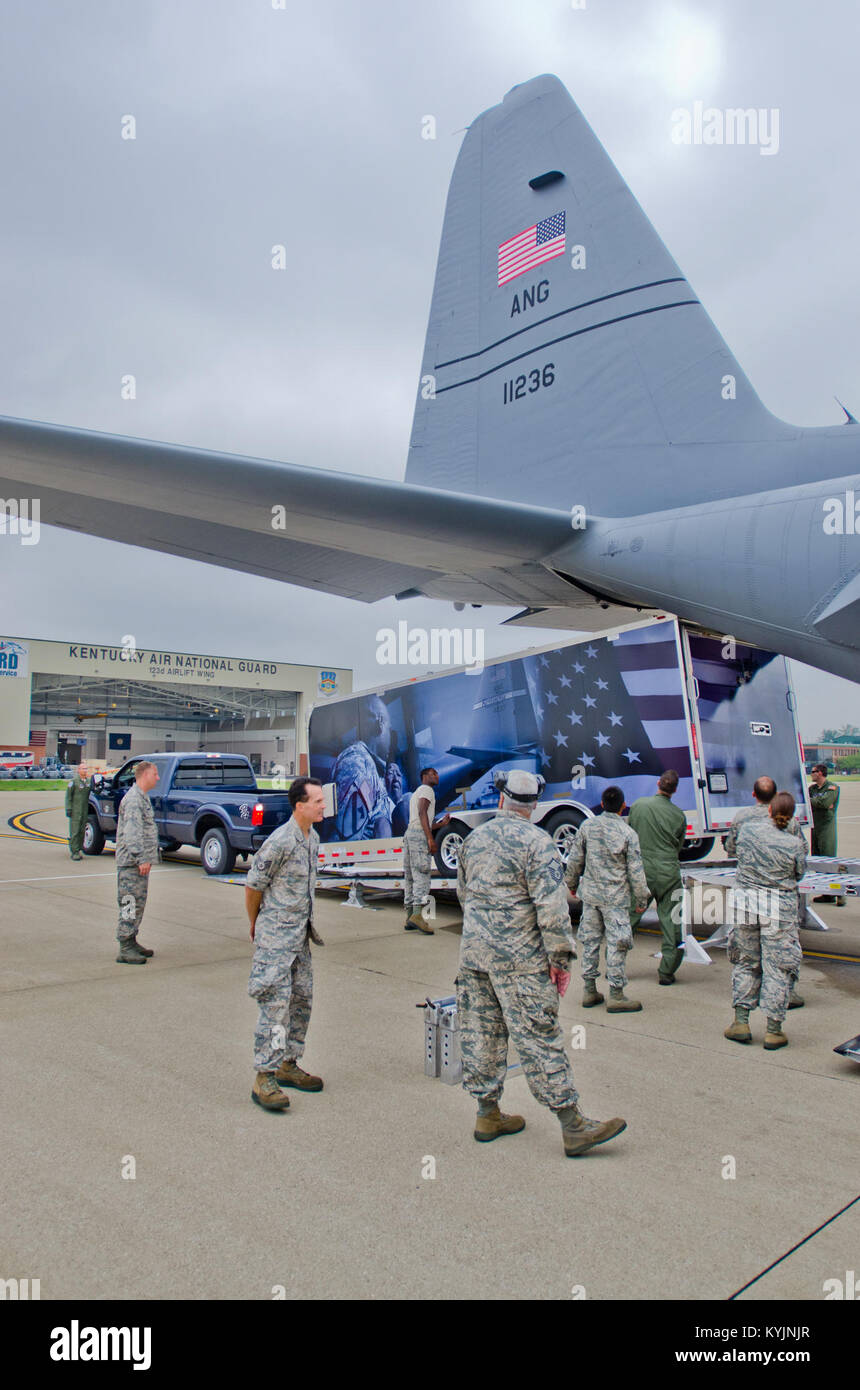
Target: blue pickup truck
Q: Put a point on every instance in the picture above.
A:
(210, 800)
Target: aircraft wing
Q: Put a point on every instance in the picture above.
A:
(363, 538)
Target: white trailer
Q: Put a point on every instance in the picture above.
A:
(617, 707)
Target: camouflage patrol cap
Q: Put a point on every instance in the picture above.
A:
(519, 785)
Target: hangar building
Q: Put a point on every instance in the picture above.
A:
(90, 702)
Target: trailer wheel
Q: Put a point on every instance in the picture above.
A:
(94, 840)
(216, 852)
(697, 849)
(563, 827)
(448, 846)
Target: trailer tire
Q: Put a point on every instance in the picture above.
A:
(562, 827)
(216, 853)
(94, 840)
(448, 848)
(697, 849)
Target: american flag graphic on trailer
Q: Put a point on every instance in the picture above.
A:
(542, 242)
(615, 708)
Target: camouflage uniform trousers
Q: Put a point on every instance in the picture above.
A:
(765, 966)
(614, 924)
(498, 1004)
(131, 890)
(282, 982)
(416, 868)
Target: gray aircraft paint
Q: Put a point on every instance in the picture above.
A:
(635, 418)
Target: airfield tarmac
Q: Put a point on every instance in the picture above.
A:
(102, 1064)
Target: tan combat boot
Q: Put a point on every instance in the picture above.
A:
(591, 994)
(739, 1031)
(416, 919)
(130, 954)
(580, 1134)
(795, 1000)
(491, 1122)
(267, 1092)
(620, 1004)
(774, 1037)
(289, 1073)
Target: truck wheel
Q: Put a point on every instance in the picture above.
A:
(697, 849)
(94, 840)
(563, 827)
(217, 853)
(448, 845)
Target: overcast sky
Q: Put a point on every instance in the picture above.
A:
(302, 126)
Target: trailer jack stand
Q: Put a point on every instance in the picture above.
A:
(356, 897)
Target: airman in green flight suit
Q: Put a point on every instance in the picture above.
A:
(77, 809)
(662, 829)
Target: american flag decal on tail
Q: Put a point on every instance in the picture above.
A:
(542, 242)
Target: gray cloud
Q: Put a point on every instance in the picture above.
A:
(302, 127)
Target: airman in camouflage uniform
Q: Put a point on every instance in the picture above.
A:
(279, 894)
(514, 958)
(605, 856)
(766, 958)
(419, 846)
(136, 852)
(764, 790)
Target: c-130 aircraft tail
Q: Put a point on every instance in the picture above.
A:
(566, 353)
(569, 362)
(585, 447)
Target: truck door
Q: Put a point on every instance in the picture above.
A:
(113, 793)
(158, 797)
(745, 723)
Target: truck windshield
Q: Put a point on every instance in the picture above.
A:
(193, 776)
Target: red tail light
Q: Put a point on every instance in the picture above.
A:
(257, 814)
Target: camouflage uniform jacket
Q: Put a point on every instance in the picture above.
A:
(771, 858)
(747, 813)
(510, 882)
(613, 873)
(136, 834)
(285, 872)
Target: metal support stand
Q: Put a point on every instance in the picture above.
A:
(356, 897)
(442, 1056)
